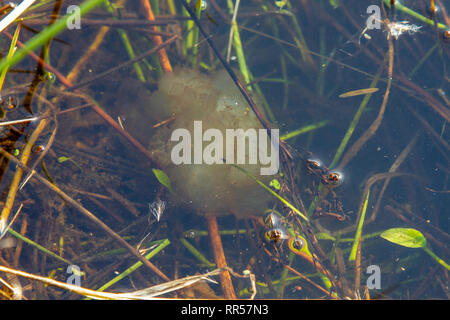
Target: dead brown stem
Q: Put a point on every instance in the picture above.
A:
(157, 40)
(87, 214)
(219, 255)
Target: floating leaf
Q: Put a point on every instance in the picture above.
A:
(163, 179)
(406, 237)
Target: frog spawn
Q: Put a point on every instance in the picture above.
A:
(212, 190)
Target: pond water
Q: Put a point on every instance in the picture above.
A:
(388, 148)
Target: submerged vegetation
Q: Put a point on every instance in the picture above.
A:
(92, 206)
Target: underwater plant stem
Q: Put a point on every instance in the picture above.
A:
(354, 149)
(403, 155)
(355, 120)
(196, 253)
(73, 74)
(12, 49)
(300, 41)
(436, 258)
(427, 97)
(305, 129)
(358, 267)
(125, 64)
(276, 195)
(357, 241)
(135, 266)
(412, 13)
(47, 34)
(304, 278)
(235, 39)
(119, 129)
(18, 175)
(38, 246)
(94, 106)
(232, 29)
(219, 256)
(86, 213)
(157, 40)
(422, 60)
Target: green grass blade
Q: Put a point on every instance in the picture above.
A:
(47, 34)
(276, 195)
(359, 230)
(135, 266)
(304, 129)
(412, 13)
(197, 253)
(38, 246)
(10, 54)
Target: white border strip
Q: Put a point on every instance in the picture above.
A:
(13, 15)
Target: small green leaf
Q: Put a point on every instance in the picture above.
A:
(163, 179)
(63, 159)
(406, 237)
(334, 3)
(275, 184)
(281, 4)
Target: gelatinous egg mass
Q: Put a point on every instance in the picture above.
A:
(185, 96)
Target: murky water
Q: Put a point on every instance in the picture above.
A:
(300, 58)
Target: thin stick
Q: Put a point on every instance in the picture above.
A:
(73, 74)
(94, 106)
(125, 64)
(219, 255)
(124, 201)
(19, 245)
(358, 267)
(393, 168)
(157, 40)
(305, 278)
(87, 213)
